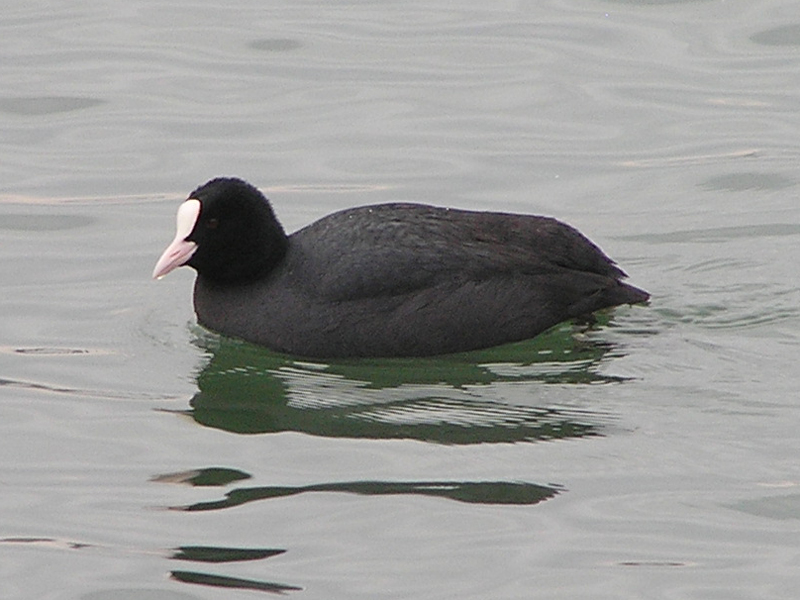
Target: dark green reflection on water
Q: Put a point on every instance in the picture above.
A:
(514, 393)
(473, 492)
(208, 477)
(450, 399)
(215, 554)
(223, 581)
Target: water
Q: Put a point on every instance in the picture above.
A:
(653, 456)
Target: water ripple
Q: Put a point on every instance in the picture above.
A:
(785, 35)
(720, 234)
(46, 105)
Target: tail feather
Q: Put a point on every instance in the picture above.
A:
(615, 294)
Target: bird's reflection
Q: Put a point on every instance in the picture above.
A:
(224, 581)
(521, 392)
(474, 492)
(489, 396)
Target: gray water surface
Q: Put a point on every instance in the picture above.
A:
(653, 455)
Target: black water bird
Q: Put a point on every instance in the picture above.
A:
(384, 280)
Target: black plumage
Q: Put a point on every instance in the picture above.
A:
(390, 279)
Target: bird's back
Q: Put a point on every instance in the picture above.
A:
(412, 280)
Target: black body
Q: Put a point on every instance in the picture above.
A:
(391, 279)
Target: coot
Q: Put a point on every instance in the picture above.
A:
(384, 280)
